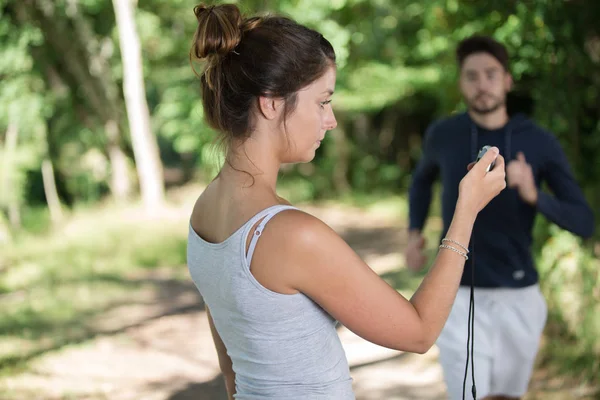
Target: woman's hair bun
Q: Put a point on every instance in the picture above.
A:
(219, 30)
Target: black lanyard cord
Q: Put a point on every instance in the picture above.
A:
(471, 329)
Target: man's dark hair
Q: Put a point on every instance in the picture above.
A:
(482, 44)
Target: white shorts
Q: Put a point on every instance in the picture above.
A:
(507, 330)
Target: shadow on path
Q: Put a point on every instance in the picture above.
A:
(211, 390)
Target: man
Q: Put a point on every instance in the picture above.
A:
(510, 311)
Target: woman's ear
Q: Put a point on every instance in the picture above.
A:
(270, 107)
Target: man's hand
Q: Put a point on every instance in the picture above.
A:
(519, 175)
(415, 256)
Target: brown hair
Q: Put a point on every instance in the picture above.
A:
(251, 57)
(482, 44)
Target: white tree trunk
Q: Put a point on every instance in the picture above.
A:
(51, 192)
(145, 147)
(8, 190)
(5, 235)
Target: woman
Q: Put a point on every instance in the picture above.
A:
(275, 279)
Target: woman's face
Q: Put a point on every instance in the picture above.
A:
(306, 126)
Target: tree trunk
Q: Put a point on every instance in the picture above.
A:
(9, 189)
(120, 184)
(14, 214)
(99, 68)
(5, 235)
(84, 67)
(145, 147)
(50, 191)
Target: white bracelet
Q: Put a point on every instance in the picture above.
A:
(455, 242)
(443, 246)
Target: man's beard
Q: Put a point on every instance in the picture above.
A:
(485, 110)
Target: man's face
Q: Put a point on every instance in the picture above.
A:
(484, 83)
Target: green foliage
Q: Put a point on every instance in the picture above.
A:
(23, 107)
(570, 278)
(389, 52)
(36, 220)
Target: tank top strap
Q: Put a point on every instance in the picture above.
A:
(264, 217)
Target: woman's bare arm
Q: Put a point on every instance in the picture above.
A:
(335, 277)
(306, 255)
(224, 360)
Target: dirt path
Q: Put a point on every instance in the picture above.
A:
(159, 346)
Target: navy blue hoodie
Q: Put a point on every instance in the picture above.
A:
(502, 235)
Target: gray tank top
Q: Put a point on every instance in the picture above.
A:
(282, 346)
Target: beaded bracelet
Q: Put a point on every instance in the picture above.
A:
(443, 246)
(455, 242)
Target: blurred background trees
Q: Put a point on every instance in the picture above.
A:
(70, 97)
(98, 103)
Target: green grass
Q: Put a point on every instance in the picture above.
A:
(54, 286)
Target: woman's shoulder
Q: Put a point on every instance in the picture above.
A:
(298, 228)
